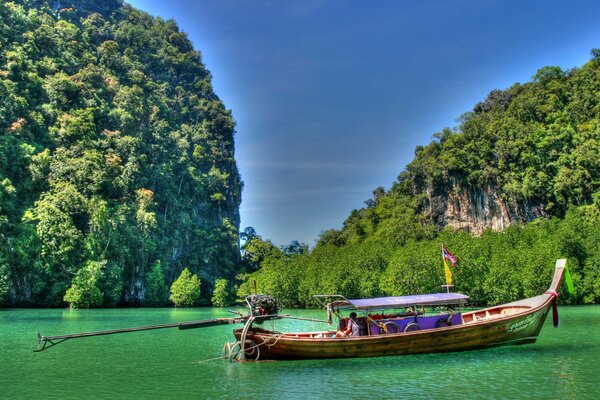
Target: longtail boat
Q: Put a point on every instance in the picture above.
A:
(518, 322)
(410, 331)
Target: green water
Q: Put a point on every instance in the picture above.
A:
(170, 364)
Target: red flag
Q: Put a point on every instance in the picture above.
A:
(449, 256)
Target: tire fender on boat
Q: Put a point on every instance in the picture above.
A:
(413, 326)
(391, 327)
(444, 321)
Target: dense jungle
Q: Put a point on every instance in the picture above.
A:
(119, 184)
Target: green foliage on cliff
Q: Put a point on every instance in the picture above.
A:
(114, 150)
(536, 145)
(537, 142)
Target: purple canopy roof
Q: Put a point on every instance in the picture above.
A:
(379, 303)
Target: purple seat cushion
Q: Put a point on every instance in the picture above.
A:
(428, 322)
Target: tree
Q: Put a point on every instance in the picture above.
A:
(84, 292)
(595, 53)
(221, 296)
(295, 248)
(156, 288)
(255, 250)
(185, 290)
(248, 234)
(4, 283)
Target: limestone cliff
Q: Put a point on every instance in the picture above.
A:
(475, 209)
(524, 152)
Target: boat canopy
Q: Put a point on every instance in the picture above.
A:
(380, 303)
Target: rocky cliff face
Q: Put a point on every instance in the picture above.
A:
(474, 209)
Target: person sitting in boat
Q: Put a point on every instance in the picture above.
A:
(351, 329)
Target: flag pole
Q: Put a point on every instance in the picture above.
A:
(445, 267)
(442, 251)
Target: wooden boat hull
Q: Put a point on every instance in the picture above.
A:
(514, 323)
(514, 330)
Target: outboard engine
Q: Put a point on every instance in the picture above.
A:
(261, 304)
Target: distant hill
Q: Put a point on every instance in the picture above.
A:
(514, 187)
(529, 151)
(116, 156)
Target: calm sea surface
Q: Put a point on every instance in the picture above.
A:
(174, 364)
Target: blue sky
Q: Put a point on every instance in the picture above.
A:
(331, 97)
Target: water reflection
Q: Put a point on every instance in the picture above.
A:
(165, 363)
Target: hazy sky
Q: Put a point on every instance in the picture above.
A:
(331, 97)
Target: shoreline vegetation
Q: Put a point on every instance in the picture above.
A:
(119, 185)
(494, 268)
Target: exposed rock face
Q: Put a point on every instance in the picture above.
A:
(473, 210)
